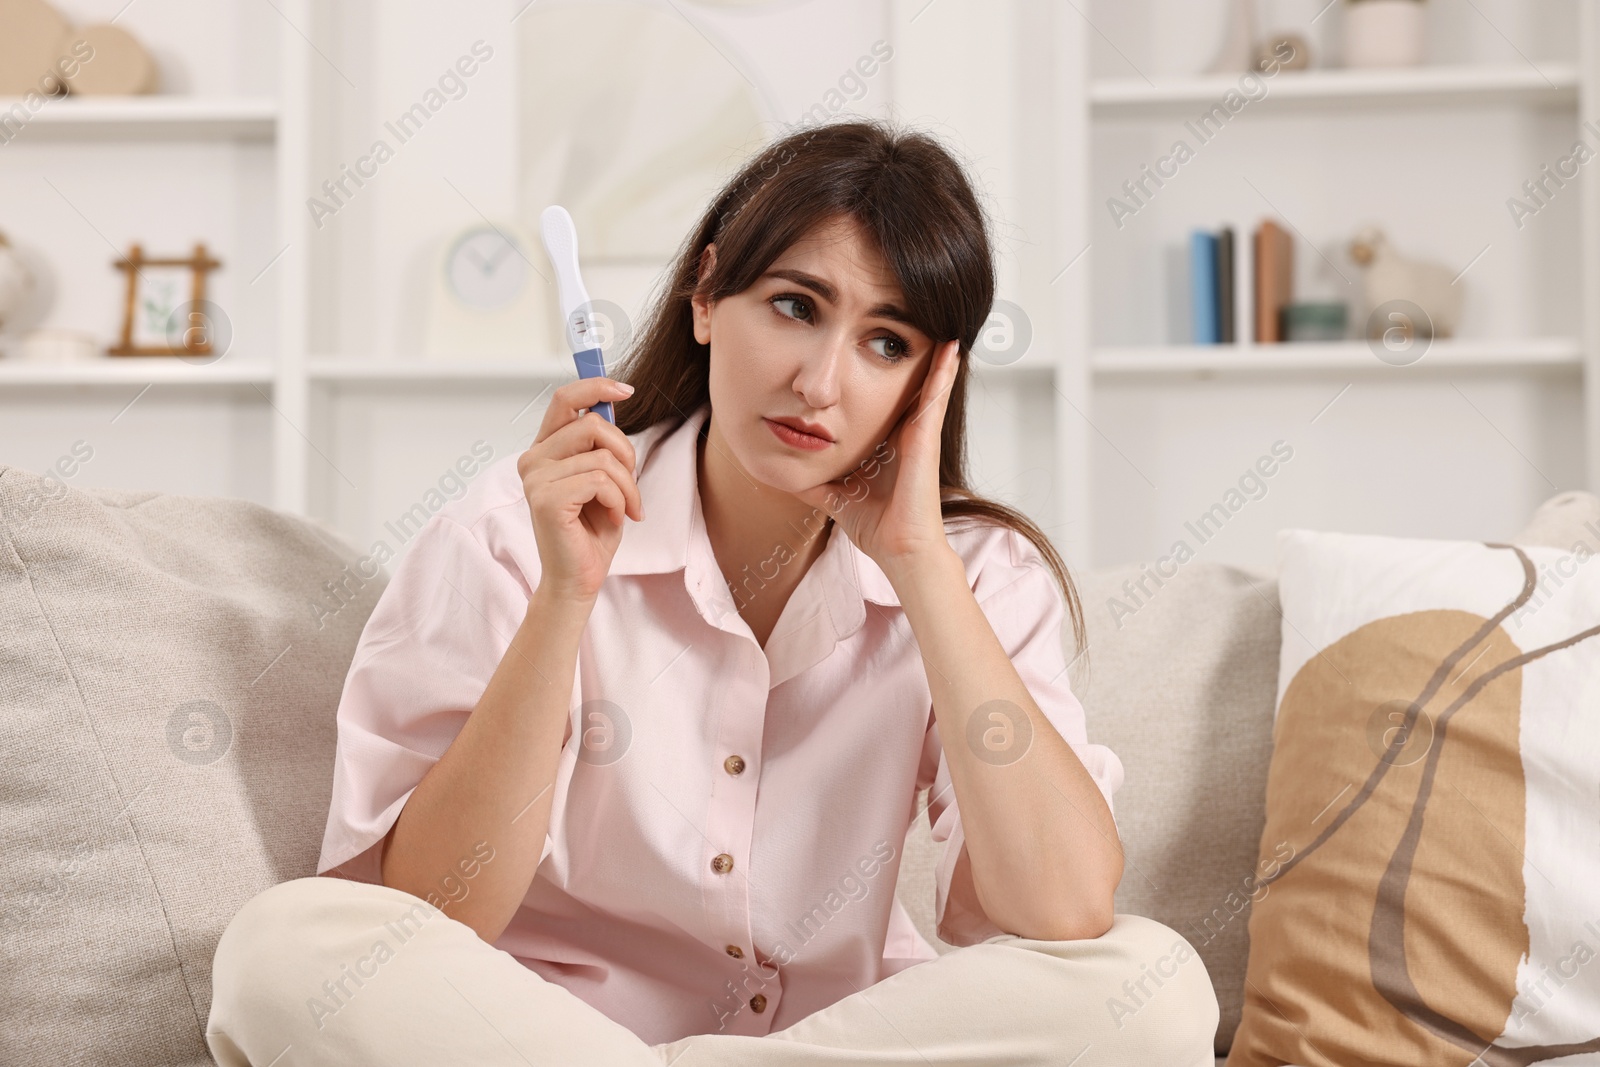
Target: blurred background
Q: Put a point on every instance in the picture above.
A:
(1264, 263)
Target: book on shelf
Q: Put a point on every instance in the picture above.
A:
(1212, 299)
(1274, 280)
(1203, 288)
(1226, 333)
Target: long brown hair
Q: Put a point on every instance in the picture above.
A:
(913, 199)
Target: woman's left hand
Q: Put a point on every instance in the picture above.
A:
(889, 505)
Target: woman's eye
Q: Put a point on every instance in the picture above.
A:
(799, 302)
(894, 348)
(799, 309)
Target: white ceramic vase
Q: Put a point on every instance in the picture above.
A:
(58, 347)
(16, 282)
(1384, 33)
(1238, 46)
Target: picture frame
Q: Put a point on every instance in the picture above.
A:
(157, 289)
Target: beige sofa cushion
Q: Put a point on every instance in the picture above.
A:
(1182, 691)
(167, 698)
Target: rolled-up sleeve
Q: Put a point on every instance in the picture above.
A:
(1020, 598)
(423, 661)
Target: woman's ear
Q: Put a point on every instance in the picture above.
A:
(700, 302)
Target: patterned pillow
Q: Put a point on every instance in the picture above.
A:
(1428, 887)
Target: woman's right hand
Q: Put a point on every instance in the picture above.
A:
(578, 479)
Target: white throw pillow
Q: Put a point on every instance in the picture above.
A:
(1428, 888)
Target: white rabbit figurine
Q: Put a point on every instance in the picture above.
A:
(1390, 276)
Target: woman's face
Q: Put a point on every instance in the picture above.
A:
(821, 337)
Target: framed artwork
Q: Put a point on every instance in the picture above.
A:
(673, 114)
(164, 310)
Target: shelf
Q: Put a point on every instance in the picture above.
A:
(356, 371)
(135, 370)
(142, 118)
(1024, 368)
(1341, 356)
(1549, 84)
(145, 370)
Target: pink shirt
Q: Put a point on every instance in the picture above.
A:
(799, 763)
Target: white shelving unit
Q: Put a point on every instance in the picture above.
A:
(136, 371)
(83, 178)
(1345, 357)
(356, 371)
(1100, 386)
(1519, 384)
(1466, 85)
(178, 118)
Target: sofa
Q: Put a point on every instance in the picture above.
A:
(170, 668)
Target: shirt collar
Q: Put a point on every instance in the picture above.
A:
(667, 476)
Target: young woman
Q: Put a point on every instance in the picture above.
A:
(632, 739)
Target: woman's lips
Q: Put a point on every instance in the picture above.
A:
(795, 438)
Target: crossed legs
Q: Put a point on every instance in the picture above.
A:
(299, 980)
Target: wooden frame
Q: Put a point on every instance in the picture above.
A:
(137, 333)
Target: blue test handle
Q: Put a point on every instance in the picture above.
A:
(592, 364)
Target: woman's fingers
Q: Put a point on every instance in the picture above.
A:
(574, 492)
(593, 435)
(559, 439)
(607, 463)
(577, 460)
(597, 486)
(569, 401)
(934, 383)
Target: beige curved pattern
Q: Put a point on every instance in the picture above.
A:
(1395, 932)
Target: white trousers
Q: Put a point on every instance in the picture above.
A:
(452, 998)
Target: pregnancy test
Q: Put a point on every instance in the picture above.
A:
(583, 332)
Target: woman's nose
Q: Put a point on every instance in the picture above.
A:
(817, 380)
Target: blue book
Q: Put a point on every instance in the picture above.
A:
(1203, 288)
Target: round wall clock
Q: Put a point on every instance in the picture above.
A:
(486, 268)
(485, 298)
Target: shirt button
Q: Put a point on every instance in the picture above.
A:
(736, 952)
(758, 1003)
(733, 764)
(722, 864)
